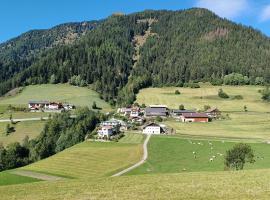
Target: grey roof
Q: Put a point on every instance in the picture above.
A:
(183, 111)
(195, 115)
(156, 111)
(39, 102)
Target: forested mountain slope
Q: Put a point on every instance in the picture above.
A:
(20, 52)
(183, 46)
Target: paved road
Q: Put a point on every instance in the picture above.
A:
(144, 158)
(37, 175)
(29, 119)
(25, 119)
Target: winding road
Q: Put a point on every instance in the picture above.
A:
(144, 158)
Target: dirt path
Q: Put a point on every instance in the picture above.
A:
(36, 175)
(144, 158)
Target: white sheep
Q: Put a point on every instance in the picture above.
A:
(211, 159)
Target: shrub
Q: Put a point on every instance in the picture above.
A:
(239, 155)
(236, 79)
(266, 94)
(238, 97)
(181, 107)
(216, 82)
(159, 119)
(222, 94)
(259, 81)
(177, 92)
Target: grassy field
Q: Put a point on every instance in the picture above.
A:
(175, 155)
(10, 179)
(132, 138)
(90, 160)
(61, 92)
(22, 129)
(206, 95)
(251, 184)
(252, 124)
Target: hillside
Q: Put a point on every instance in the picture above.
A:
(181, 46)
(252, 184)
(79, 96)
(19, 53)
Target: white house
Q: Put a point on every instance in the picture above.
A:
(105, 131)
(135, 112)
(153, 128)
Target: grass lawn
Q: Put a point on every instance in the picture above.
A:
(251, 125)
(250, 184)
(60, 92)
(22, 129)
(10, 179)
(132, 138)
(206, 95)
(90, 160)
(175, 155)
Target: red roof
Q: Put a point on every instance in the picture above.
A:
(195, 115)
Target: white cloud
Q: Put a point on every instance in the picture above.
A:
(224, 8)
(265, 14)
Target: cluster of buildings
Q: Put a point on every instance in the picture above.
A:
(49, 106)
(164, 112)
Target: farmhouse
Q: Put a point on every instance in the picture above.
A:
(195, 117)
(135, 112)
(153, 128)
(106, 131)
(38, 105)
(124, 111)
(156, 110)
(138, 119)
(49, 106)
(213, 113)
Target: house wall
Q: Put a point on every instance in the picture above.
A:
(203, 119)
(151, 130)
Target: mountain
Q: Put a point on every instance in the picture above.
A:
(152, 48)
(20, 52)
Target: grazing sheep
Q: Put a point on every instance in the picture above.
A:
(211, 159)
(213, 156)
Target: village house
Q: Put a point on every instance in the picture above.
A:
(106, 131)
(124, 111)
(135, 112)
(48, 106)
(156, 110)
(194, 117)
(38, 105)
(153, 128)
(138, 119)
(213, 113)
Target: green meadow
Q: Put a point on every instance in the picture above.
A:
(89, 160)
(79, 96)
(177, 155)
(10, 179)
(21, 129)
(237, 123)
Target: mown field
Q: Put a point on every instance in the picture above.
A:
(89, 160)
(206, 95)
(175, 155)
(252, 124)
(250, 184)
(10, 179)
(60, 92)
(22, 129)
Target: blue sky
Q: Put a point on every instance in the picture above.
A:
(18, 16)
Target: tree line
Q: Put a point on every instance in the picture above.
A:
(59, 133)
